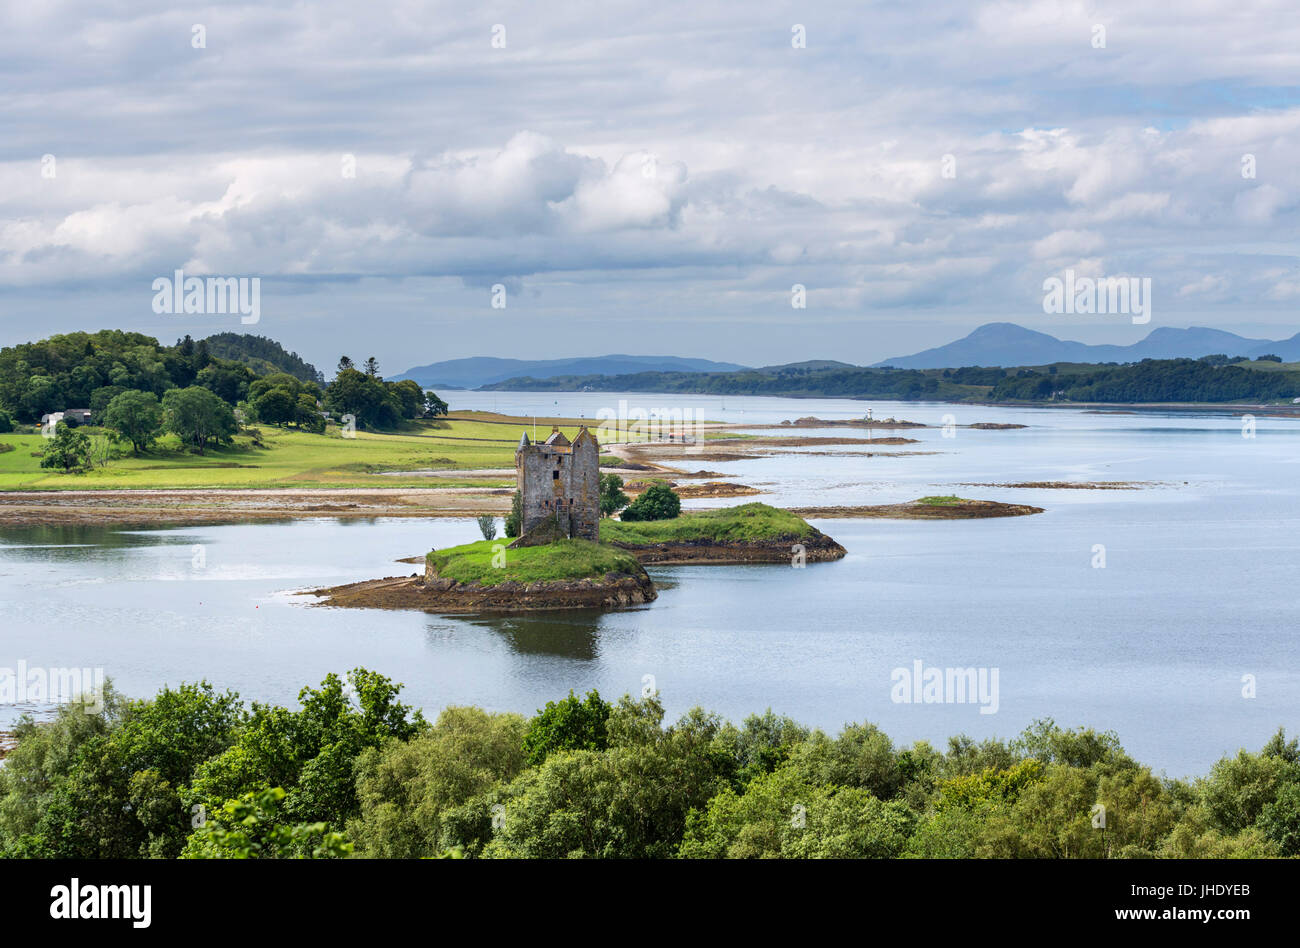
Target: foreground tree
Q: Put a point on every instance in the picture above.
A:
(571, 724)
(68, 449)
(311, 752)
(252, 828)
(407, 790)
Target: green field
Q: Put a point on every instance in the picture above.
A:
(746, 522)
(563, 561)
(288, 458)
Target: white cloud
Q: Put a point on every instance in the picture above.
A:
(770, 165)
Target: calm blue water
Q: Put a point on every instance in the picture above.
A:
(1198, 590)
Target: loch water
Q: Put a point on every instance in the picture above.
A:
(1196, 603)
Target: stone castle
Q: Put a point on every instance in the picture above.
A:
(559, 487)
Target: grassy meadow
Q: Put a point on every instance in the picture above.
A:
(288, 458)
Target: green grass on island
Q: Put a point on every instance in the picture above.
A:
(562, 561)
(944, 500)
(744, 523)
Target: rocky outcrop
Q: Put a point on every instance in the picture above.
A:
(962, 510)
(431, 593)
(817, 547)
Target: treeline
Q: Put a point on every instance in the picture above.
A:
(899, 384)
(87, 370)
(193, 772)
(1209, 379)
(140, 389)
(1153, 380)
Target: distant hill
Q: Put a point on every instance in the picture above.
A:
(812, 365)
(486, 370)
(264, 356)
(1006, 344)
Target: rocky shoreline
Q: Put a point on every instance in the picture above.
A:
(817, 548)
(431, 593)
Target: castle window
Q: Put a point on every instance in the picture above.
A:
(555, 475)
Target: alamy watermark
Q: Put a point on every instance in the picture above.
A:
(934, 685)
(624, 424)
(210, 296)
(38, 685)
(1126, 296)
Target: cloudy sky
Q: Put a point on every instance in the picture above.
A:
(647, 177)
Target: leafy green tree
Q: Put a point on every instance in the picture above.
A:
(101, 397)
(68, 450)
(120, 794)
(1081, 747)
(307, 414)
(1279, 819)
(630, 801)
(657, 502)
(612, 498)
(487, 525)
(761, 744)
(229, 381)
(570, 724)
(410, 396)
(781, 815)
(276, 406)
(861, 756)
(515, 519)
(1238, 788)
(197, 416)
(250, 828)
(312, 752)
(434, 406)
(290, 384)
(365, 397)
(37, 768)
(136, 417)
(41, 395)
(407, 789)
(989, 786)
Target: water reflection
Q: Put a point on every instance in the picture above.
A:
(571, 634)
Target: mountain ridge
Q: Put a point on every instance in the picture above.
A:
(1010, 344)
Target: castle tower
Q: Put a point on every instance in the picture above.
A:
(559, 488)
